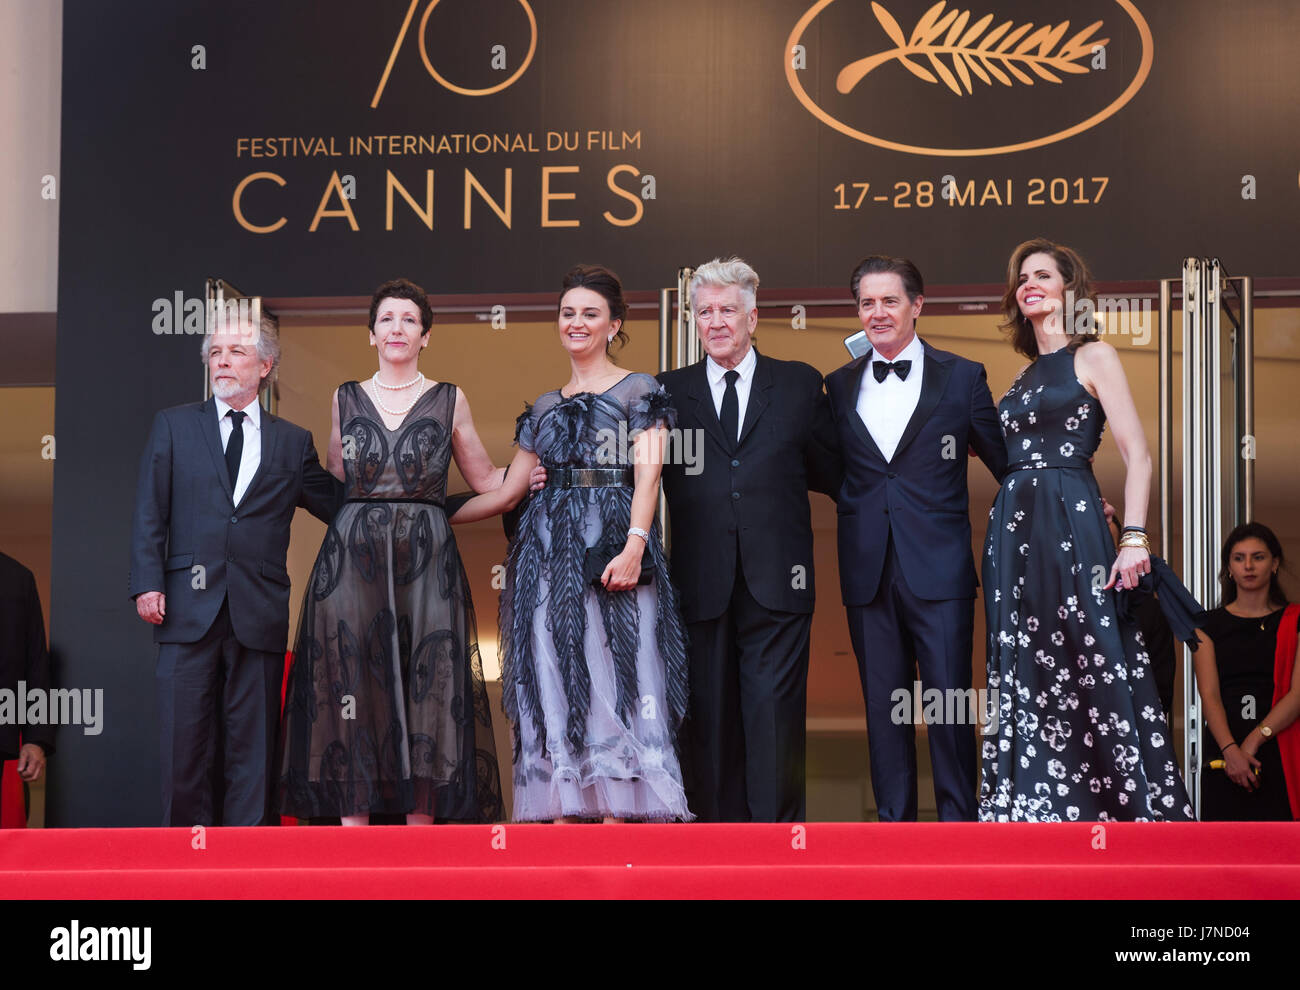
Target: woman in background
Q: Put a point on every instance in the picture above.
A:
(1250, 686)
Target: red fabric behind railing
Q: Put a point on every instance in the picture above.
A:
(284, 690)
(12, 813)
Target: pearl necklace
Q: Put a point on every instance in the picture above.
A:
(419, 377)
(400, 412)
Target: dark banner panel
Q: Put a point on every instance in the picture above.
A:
(483, 146)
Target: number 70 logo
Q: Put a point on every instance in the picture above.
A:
(498, 53)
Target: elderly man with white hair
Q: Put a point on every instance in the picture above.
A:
(742, 553)
(219, 483)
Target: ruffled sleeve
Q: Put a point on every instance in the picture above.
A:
(653, 409)
(526, 429)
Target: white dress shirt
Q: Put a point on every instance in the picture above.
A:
(717, 376)
(886, 407)
(252, 456)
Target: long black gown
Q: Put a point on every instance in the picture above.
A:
(1080, 733)
(386, 711)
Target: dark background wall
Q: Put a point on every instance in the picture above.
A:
(152, 157)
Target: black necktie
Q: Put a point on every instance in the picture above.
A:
(730, 415)
(881, 369)
(235, 445)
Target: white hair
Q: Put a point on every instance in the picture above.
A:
(723, 272)
(267, 340)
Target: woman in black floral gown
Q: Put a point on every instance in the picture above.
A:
(1080, 731)
(593, 651)
(386, 711)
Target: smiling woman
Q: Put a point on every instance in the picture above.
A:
(1044, 280)
(593, 651)
(1082, 733)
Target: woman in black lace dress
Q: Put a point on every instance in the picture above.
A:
(1081, 734)
(593, 651)
(386, 711)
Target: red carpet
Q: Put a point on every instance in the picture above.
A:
(674, 861)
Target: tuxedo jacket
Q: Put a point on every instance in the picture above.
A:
(191, 542)
(23, 656)
(747, 507)
(919, 496)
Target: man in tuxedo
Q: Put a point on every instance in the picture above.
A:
(906, 414)
(219, 482)
(742, 554)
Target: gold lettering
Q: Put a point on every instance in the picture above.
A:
(472, 183)
(547, 196)
(239, 211)
(335, 186)
(991, 193)
(426, 214)
(632, 198)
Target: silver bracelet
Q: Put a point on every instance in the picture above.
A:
(638, 531)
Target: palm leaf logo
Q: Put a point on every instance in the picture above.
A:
(1016, 50)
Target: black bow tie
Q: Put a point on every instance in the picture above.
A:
(883, 368)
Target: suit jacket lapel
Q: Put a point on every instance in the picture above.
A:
(211, 431)
(701, 396)
(759, 396)
(856, 370)
(270, 437)
(933, 383)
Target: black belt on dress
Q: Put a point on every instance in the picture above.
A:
(1039, 465)
(380, 501)
(610, 477)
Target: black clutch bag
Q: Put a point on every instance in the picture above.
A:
(597, 558)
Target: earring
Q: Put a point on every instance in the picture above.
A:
(610, 338)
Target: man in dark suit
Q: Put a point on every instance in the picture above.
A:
(219, 482)
(742, 554)
(906, 415)
(23, 657)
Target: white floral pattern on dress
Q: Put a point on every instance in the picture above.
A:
(1081, 735)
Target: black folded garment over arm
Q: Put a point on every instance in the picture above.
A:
(1181, 609)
